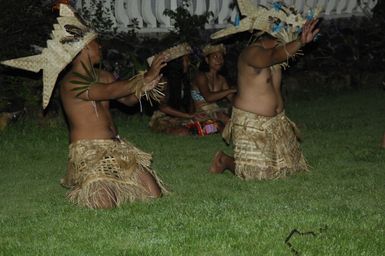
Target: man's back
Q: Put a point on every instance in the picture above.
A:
(87, 119)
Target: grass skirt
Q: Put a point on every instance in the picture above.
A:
(212, 110)
(108, 165)
(264, 147)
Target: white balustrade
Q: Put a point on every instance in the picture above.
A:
(341, 6)
(120, 15)
(150, 18)
(200, 8)
(225, 12)
(351, 5)
(133, 11)
(164, 21)
(214, 8)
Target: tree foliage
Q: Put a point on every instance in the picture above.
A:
(188, 28)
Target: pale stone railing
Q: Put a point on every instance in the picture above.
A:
(150, 18)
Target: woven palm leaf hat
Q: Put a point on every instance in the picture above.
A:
(211, 48)
(282, 22)
(174, 52)
(69, 36)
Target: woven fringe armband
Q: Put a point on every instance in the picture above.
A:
(285, 64)
(137, 88)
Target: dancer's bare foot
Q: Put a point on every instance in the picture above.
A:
(216, 164)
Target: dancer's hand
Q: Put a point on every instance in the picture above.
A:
(200, 116)
(308, 31)
(152, 77)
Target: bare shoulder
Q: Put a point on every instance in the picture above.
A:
(200, 78)
(251, 50)
(250, 57)
(200, 75)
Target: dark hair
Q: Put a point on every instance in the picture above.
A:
(178, 85)
(203, 65)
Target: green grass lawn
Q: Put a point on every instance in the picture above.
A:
(207, 214)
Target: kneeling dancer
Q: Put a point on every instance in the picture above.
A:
(103, 170)
(266, 144)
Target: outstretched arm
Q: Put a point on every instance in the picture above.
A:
(173, 112)
(129, 100)
(226, 86)
(110, 89)
(259, 57)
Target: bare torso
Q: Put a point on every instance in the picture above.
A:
(218, 83)
(259, 90)
(87, 119)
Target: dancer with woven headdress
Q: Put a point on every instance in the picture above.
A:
(174, 111)
(103, 170)
(265, 141)
(209, 86)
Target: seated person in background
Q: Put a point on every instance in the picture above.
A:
(103, 170)
(175, 108)
(209, 86)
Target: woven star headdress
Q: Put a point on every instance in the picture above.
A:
(280, 21)
(69, 36)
